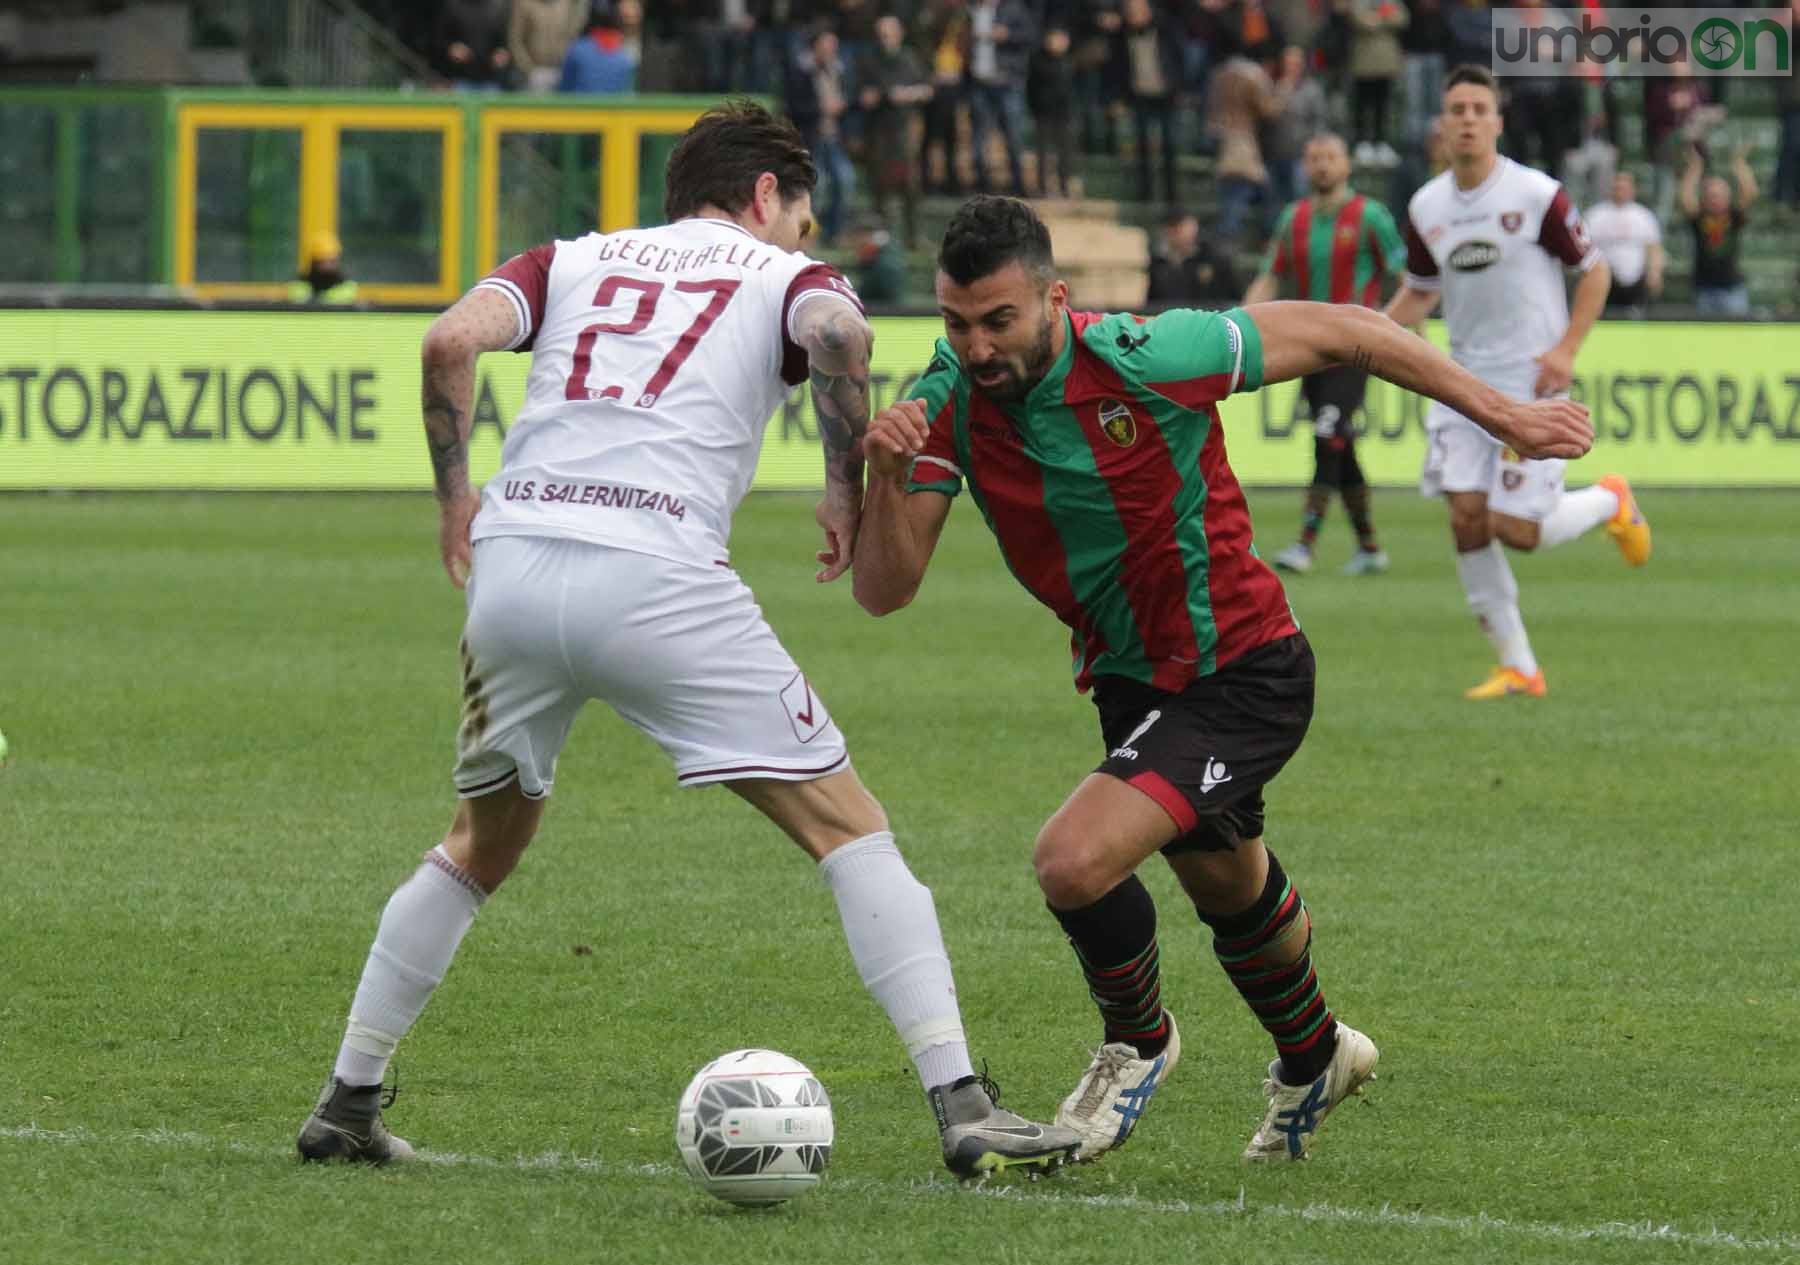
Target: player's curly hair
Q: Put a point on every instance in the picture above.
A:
(989, 232)
(718, 160)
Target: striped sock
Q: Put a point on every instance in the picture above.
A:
(1115, 942)
(1267, 952)
(1318, 500)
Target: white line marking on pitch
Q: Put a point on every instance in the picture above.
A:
(1241, 1207)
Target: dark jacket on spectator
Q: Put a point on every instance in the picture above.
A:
(1204, 277)
(1168, 53)
(481, 25)
(1050, 85)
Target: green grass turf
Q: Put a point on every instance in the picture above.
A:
(1566, 922)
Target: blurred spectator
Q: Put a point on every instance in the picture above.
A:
(816, 101)
(602, 62)
(539, 36)
(880, 268)
(1248, 29)
(1471, 25)
(1718, 220)
(1588, 169)
(1374, 66)
(1677, 113)
(322, 283)
(1543, 113)
(1151, 51)
(1423, 47)
(854, 21)
(1302, 112)
(1787, 164)
(719, 32)
(1098, 81)
(1242, 101)
(469, 45)
(1050, 94)
(893, 87)
(1299, 21)
(943, 33)
(1184, 271)
(1001, 36)
(1626, 232)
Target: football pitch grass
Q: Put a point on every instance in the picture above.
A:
(1567, 922)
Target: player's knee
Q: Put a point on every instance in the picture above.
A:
(1517, 533)
(1471, 528)
(1069, 873)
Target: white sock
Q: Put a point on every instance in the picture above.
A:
(1493, 594)
(1576, 514)
(424, 921)
(892, 928)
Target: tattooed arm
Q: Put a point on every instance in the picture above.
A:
(1303, 338)
(838, 341)
(482, 320)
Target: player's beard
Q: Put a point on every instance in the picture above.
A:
(1015, 386)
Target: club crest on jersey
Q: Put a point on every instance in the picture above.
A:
(1118, 423)
(1474, 256)
(1511, 220)
(1512, 480)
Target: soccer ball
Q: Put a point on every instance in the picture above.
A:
(754, 1127)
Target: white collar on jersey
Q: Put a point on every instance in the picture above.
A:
(730, 224)
(1493, 177)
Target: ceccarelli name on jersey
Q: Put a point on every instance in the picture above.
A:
(667, 259)
(604, 495)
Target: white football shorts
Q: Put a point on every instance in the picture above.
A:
(1461, 457)
(680, 651)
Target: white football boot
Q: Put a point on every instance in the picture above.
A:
(1297, 1111)
(1113, 1092)
(1296, 558)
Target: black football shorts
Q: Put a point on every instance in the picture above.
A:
(1206, 753)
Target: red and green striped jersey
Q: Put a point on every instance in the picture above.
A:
(1335, 258)
(1109, 492)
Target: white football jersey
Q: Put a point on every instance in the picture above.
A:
(1498, 252)
(658, 356)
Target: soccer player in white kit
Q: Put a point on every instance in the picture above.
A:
(1492, 237)
(596, 567)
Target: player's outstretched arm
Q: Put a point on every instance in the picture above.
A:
(1303, 338)
(484, 319)
(838, 343)
(900, 530)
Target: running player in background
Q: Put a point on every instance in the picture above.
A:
(1493, 237)
(1091, 445)
(598, 569)
(1337, 246)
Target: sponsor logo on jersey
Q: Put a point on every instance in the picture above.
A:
(1474, 256)
(1511, 220)
(1215, 774)
(1127, 344)
(1118, 423)
(1511, 480)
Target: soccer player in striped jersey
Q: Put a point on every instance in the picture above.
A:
(1335, 247)
(1091, 444)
